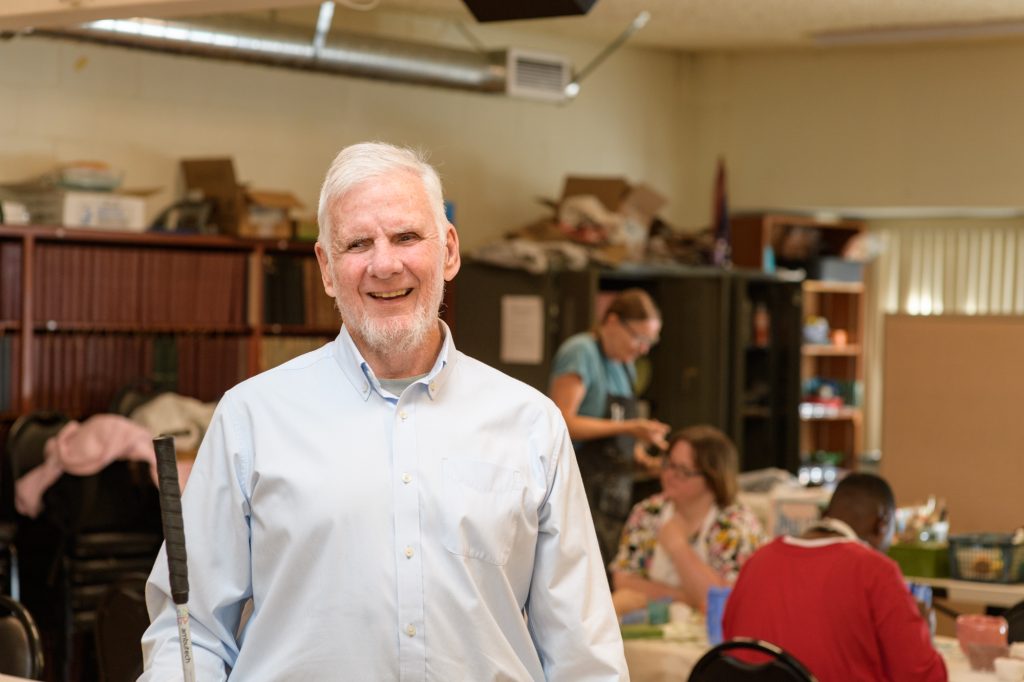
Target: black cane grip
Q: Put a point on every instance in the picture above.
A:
(170, 512)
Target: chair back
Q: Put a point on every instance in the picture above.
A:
(121, 620)
(21, 648)
(1015, 622)
(773, 664)
(27, 438)
(134, 395)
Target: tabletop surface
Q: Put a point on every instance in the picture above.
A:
(670, 660)
(973, 592)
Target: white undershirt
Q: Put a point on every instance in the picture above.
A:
(843, 529)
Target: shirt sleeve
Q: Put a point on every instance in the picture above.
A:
(903, 635)
(570, 359)
(734, 537)
(569, 611)
(215, 515)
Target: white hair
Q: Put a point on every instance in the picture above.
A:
(367, 160)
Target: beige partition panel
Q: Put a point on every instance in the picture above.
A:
(953, 416)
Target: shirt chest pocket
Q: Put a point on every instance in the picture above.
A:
(481, 509)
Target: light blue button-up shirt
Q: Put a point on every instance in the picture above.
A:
(438, 535)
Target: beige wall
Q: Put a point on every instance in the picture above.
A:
(925, 125)
(142, 112)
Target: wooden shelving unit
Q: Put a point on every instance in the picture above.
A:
(84, 313)
(838, 366)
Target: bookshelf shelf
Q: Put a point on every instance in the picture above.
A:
(299, 330)
(129, 328)
(817, 286)
(84, 313)
(821, 350)
(808, 413)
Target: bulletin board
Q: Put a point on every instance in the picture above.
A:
(953, 416)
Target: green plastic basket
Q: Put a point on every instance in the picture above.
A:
(986, 557)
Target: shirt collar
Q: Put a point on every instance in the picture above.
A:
(841, 528)
(836, 526)
(363, 380)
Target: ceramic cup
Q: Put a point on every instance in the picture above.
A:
(982, 639)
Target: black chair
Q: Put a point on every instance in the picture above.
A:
(24, 451)
(21, 649)
(719, 665)
(134, 395)
(93, 531)
(121, 619)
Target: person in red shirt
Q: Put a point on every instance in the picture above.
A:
(831, 597)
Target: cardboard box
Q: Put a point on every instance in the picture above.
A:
(238, 210)
(618, 195)
(48, 204)
(215, 179)
(268, 214)
(104, 210)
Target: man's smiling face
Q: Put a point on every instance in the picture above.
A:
(388, 262)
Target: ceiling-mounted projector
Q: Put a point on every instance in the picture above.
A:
(507, 10)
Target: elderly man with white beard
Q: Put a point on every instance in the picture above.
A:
(393, 509)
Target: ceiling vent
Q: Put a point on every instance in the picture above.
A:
(535, 75)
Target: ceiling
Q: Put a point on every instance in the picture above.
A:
(686, 25)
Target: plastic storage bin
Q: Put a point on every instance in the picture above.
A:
(922, 559)
(986, 557)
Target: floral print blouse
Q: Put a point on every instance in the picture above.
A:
(734, 535)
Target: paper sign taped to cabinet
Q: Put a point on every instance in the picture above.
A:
(522, 330)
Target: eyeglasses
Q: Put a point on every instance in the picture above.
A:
(638, 337)
(678, 469)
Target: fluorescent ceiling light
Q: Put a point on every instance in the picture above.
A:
(910, 33)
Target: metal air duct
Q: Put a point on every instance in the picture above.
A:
(274, 45)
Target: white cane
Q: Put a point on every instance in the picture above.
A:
(174, 538)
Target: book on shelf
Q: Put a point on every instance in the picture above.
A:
(6, 389)
(10, 281)
(277, 350)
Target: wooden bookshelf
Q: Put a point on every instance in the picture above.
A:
(839, 363)
(84, 313)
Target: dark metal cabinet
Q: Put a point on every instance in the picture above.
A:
(714, 365)
(475, 301)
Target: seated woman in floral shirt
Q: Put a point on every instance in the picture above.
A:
(692, 535)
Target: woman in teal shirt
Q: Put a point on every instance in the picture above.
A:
(592, 384)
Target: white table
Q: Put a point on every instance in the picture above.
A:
(972, 592)
(956, 662)
(657, 660)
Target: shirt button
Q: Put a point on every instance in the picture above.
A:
(402, 415)
(406, 478)
(410, 630)
(408, 552)
(433, 386)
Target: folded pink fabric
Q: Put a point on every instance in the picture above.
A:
(83, 449)
(87, 448)
(29, 489)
